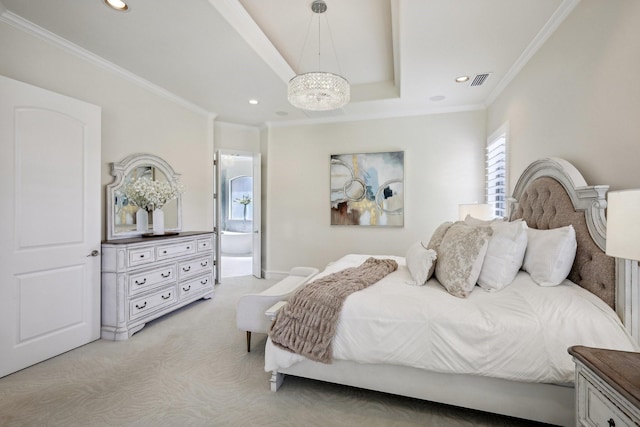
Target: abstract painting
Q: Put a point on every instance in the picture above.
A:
(368, 189)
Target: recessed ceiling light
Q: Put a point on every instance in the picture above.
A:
(437, 98)
(462, 79)
(282, 113)
(253, 101)
(118, 5)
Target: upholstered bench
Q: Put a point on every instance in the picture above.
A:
(250, 313)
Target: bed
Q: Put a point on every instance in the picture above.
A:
(503, 351)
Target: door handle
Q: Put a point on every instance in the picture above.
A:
(94, 253)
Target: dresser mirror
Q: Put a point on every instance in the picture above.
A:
(121, 213)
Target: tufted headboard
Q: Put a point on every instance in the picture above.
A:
(551, 193)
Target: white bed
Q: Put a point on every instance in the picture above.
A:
(502, 352)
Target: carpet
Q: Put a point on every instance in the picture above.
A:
(191, 368)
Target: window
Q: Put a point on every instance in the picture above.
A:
(496, 172)
(241, 191)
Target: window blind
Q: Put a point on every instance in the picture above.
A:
(496, 176)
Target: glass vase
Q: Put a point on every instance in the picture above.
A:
(158, 221)
(142, 220)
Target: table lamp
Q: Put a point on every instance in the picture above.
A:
(482, 211)
(623, 224)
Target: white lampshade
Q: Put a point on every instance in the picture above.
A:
(623, 224)
(482, 211)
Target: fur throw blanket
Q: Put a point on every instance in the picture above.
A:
(307, 324)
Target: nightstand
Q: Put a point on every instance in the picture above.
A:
(607, 387)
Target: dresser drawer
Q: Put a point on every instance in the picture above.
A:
(195, 267)
(176, 249)
(205, 244)
(195, 286)
(599, 410)
(141, 256)
(138, 307)
(147, 280)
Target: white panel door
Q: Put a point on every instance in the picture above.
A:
(50, 224)
(217, 176)
(257, 217)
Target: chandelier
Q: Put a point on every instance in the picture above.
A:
(318, 90)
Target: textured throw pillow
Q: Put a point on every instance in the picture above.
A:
(436, 240)
(461, 256)
(480, 222)
(505, 253)
(550, 254)
(419, 262)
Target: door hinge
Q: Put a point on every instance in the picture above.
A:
(215, 230)
(215, 262)
(215, 196)
(215, 163)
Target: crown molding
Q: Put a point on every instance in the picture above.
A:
(64, 44)
(549, 28)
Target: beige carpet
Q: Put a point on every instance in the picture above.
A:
(191, 368)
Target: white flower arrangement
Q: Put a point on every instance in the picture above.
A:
(244, 201)
(149, 195)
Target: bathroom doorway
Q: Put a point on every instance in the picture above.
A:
(238, 214)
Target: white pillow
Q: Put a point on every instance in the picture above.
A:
(419, 261)
(505, 253)
(435, 241)
(460, 257)
(550, 254)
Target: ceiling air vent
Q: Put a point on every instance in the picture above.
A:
(479, 79)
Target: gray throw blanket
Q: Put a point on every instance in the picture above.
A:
(307, 324)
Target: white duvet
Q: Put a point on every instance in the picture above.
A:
(520, 333)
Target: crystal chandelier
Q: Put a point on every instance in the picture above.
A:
(318, 90)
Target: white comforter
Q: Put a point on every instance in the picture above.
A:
(520, 333)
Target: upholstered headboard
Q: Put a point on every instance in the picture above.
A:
(551, 193)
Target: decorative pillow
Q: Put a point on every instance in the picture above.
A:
(505, 252)
(550, 254)
(419, 261)
(480, 222)
(461, 256)
(436, 240)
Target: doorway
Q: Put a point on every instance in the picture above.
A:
(239, 214)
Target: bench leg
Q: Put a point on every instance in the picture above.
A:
(248, 341)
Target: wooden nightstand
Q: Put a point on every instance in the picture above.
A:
(607, 387)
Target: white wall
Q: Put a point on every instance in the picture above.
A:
(579, 97)
(444, 157)
(133, 119)
(233, 137)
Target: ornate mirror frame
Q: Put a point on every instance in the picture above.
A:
(122, 172)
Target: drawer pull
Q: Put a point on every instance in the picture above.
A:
(187, 288)
(188, 247)
(140, 307)
(166, 275)
(164, 252)
(142, 256)
(141, 283)
(611, 422)
(186, 268)
(204, 264)
(204, 282)
(166, 297)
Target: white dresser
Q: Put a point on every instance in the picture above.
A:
(607, 387)
(144, 278)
